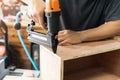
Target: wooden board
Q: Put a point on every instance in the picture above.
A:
(50, 65)
(87, 49)
(110, 61)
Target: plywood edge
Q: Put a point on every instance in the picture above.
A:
(50, 65)
(62, 70)
(49, 51)
(89, 53)
(73, 52)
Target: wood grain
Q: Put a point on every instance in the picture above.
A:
(87, 49)
(50, 65)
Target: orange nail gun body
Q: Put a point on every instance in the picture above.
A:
(52, 13)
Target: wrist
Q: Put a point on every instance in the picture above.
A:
(83, 36)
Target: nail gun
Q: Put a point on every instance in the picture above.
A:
(52, 13)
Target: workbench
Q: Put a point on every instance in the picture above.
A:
(98, 60)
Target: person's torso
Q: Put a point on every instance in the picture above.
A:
(82, 14)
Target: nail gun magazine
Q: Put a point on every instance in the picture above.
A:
(49, 39)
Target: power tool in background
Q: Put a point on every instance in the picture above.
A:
(52, 13)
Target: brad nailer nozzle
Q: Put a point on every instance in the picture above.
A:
(53, 14)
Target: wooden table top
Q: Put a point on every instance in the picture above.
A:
(86, 49)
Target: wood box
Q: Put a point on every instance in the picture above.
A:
(87, 61)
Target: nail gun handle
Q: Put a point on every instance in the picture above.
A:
(52, 14)
(53, 22)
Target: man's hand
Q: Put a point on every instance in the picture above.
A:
(68, 37)
(108, 30)
(36, 10)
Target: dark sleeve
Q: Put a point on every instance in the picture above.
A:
(112, 11)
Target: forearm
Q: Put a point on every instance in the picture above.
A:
(107, 30)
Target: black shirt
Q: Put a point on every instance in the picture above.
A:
(85, 14)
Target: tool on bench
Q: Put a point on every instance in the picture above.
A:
(52, 13)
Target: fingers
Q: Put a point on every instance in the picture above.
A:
(61, 32)
(68, 37)
(39, 18)
(64, 43)
(61, 39)
(41, 21)
(33, 17)
(36, 11)
(61, 35)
